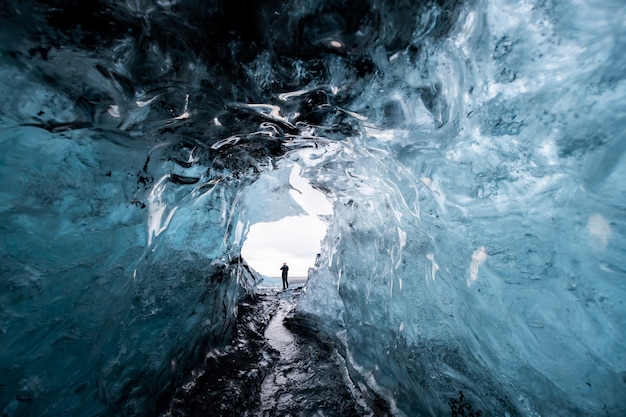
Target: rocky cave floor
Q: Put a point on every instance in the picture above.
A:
(276, 367)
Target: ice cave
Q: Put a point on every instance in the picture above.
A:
(473, 152)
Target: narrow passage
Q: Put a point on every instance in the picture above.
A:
(271, 370)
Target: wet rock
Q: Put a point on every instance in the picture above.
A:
(272, 370)
(228, 383)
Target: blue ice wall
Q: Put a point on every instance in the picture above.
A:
(107, 298)
(479, 241)
(473, 151)
(120, 249)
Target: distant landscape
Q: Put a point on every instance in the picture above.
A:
(278, 282)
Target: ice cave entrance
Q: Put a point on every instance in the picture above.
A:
(286, 226)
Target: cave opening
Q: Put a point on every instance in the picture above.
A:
(294, 239)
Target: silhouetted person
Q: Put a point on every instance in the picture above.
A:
(285, 269)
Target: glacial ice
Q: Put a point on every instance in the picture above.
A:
(473, 153)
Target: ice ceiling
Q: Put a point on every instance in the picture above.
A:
(473, 152)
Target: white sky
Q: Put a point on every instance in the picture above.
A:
(294, 239)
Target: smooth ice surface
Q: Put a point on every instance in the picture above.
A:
(478, 239)
(473, 152)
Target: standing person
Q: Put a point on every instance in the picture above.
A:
(285, 269)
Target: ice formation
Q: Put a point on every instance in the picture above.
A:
(473, 152)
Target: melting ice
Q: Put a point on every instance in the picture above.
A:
(473, 152)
